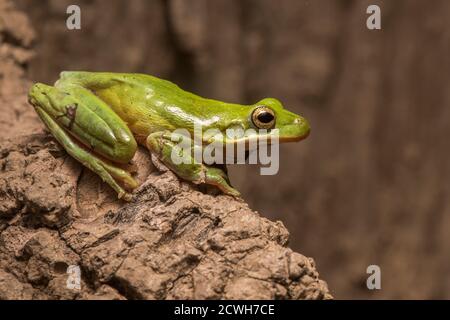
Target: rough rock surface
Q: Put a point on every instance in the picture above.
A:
(171, 242)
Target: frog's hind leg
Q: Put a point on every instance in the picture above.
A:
(106, 171)
(81, 128)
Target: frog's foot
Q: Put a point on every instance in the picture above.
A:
(182, 162)
(216, 177)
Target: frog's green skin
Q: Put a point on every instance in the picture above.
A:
(100, 117)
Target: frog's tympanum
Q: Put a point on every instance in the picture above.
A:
(99, 118)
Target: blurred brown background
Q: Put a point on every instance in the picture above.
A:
(371, 183)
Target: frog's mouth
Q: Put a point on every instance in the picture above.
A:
(253, 141)
(297, 138)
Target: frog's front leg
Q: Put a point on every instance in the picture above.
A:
(166, 146)
(88, 130)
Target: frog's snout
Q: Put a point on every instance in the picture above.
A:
(306, 126)
(303, 127)
(296, 129)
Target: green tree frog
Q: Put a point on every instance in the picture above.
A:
(100, 118)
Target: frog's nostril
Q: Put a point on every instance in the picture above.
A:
(297, 121)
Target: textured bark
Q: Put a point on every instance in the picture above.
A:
(171, 242)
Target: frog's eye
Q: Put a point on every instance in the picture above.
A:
(263, 118)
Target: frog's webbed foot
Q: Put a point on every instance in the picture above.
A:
(217, 177)
(183, 163)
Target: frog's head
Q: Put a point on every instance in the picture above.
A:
(270, 114)
(265, 119)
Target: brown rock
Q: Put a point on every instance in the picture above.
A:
(171, 242)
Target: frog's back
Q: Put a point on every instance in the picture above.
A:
(146, 103)
(107, 80)
(143, 101)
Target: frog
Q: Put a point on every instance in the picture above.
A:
(100, 119)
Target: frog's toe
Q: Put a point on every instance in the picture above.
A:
(125, 196)
(218, 178)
